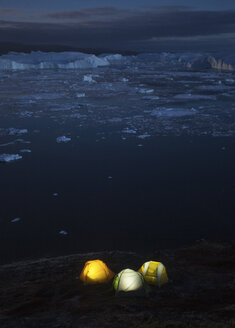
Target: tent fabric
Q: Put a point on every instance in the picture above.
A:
(154, 273)
(128, 280)
(96, 271)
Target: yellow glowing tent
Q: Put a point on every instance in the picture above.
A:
(96, 271)
(128, 280)
(154, 273)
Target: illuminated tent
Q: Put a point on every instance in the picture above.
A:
(128, 280)
(96, 272)
(154, 273)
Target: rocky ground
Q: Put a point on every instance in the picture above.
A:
(48, 293)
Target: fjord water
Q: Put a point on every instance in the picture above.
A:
(144, 169)
(172, 191)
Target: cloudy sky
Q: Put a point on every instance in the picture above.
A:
(121, 24)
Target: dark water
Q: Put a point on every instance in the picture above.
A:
(170, 192)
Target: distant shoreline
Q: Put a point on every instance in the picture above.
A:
(6, 47)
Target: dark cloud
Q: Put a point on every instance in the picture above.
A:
(127, 27)
(10, 12)
(173, 8)
(87, 13)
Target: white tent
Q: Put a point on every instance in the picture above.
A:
(128, 280)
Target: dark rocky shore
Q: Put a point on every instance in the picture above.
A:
(47, 292)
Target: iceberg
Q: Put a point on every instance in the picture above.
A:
(210, 62)
(88, 78)
(194, 61)
(112, 57)
(50, 60)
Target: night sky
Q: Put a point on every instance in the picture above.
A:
(121, 24)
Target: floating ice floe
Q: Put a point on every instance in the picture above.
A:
(115, 120)
(129, 131)
(80, 95)
(55, 194)
(63, 232)
(32, 98)
(15, 220)
(151, 98)
(25, 151)
(173, 112)
(23, 141)
(230, 80)
(77, 115)
(12, 131)
(110, 177)
(26, 114)
(143, 136)
(190, 96)
(59, 109)
(219, 87)
(5, 158)
(63, 139)
(7, 144)
(144, 91)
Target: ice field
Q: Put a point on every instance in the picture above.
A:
(151, 94)
(136, 149)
